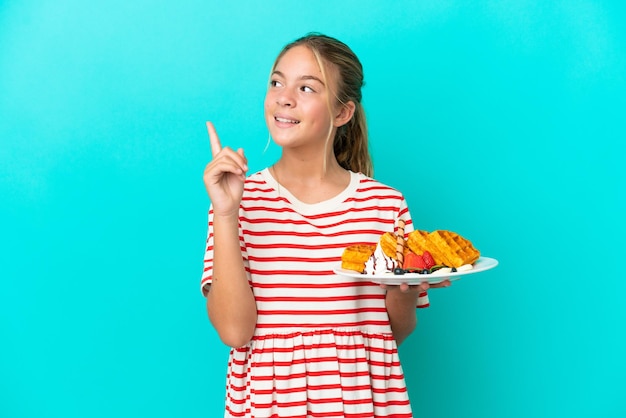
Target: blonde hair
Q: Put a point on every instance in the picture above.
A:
(350, 144)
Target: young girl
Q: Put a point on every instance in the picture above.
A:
(306, 342)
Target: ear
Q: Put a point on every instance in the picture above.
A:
(346, 112)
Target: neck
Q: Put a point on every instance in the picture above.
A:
(313, 170)
(310, 181)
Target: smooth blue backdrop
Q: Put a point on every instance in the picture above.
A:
(501, 120)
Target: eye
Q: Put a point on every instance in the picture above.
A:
(307, 89)
(275, 83)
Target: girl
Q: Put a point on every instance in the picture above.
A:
(306, 342)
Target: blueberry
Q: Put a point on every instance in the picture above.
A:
(398, 270)
(453, 269)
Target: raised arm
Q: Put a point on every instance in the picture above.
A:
(230, 302)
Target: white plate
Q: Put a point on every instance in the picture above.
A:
(482, 264)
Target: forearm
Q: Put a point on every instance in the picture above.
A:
(401, 308)
(230, 301)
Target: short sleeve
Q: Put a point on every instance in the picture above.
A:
(207, 272)
(422, 300)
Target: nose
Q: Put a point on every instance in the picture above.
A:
(285, 99)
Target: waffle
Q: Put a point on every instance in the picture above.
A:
(446, 247)
(355, 256)
(389, 244)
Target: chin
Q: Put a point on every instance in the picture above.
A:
(282, 136)
(281, 141)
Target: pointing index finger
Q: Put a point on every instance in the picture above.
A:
(216, 146)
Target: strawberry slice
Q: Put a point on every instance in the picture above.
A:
(428, 259)
(414, 261)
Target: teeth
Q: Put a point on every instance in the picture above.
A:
(287, 120)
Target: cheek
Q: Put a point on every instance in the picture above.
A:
(268, 111)
(267, 103)
(321, 114)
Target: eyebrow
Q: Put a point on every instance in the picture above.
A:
(304, 77)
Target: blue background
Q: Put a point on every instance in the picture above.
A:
(503, 121)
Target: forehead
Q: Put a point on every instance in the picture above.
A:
(300, 61)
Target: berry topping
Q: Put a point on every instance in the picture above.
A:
(414, 261)
(428, 259)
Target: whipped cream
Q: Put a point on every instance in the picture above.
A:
(442, 271)
(465, 267)
(380, 263)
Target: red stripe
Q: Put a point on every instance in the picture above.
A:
(291, 272)
(308, 285)
(325, 325)
(300, 347)
(286, 247)
(318, 299)
(289, 336)
(295, 259)
(273, 233)
(319, 312)
(289, 221)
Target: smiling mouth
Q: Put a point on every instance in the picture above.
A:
(284, 120)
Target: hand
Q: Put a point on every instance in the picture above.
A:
(224, 176)
(422, 287)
